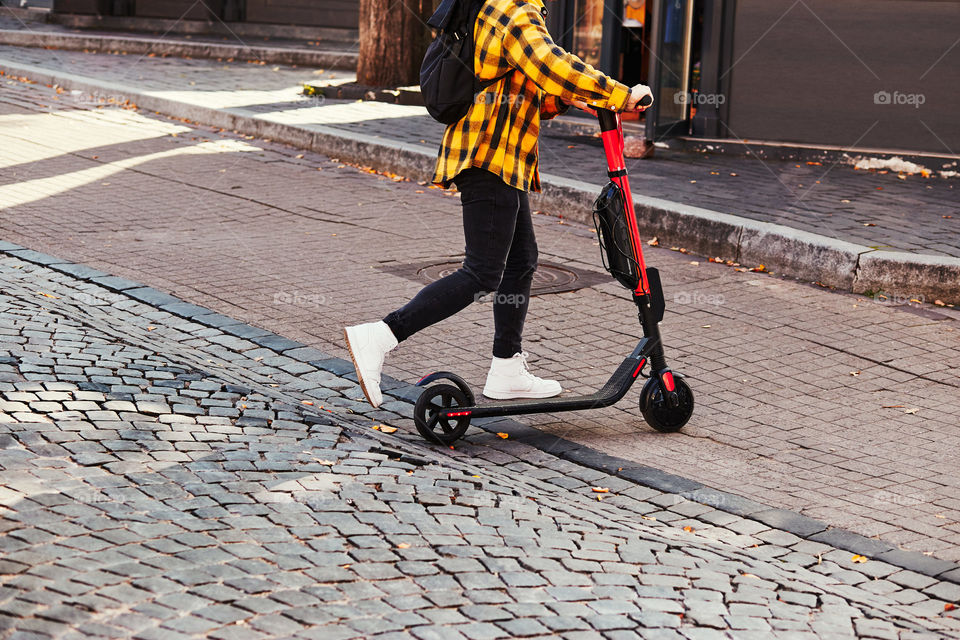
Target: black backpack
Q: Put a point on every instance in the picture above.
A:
(447, 81)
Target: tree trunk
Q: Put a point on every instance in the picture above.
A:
(393, 39)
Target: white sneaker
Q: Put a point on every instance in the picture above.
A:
(509, 378)
(369, 344)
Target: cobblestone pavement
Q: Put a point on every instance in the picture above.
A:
(827, 404)
(166, 479)
(883, 211)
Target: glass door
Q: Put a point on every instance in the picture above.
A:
(671, 39)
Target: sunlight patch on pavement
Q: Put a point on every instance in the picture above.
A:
(233, 97)
(40, 136)
(344, 113)
(27, 191)
(304, 114)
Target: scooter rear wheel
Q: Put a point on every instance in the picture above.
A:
(658, 413)
(426, 414)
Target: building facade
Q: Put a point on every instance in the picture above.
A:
(880, 74)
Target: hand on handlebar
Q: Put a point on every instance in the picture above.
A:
(640, 98)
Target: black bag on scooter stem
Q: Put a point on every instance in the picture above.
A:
(610, 218)
(447, 81)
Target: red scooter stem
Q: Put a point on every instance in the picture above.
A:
(611, 133)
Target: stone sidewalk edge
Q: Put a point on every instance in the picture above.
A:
(344, 60)
(784, 250)
(783, 519)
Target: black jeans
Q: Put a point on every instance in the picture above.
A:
(501, 256)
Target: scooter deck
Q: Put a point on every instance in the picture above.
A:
(611, 392)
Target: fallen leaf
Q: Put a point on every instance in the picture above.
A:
(869, 224)
(911, 411)
(858, 559)
(688, 529)
(844, 201)
(892, 406)
(815, 164)
(749, 575)
(949, 606)
(599, 498)
(503, 435)
(695, 263)
(647, 518)
(329, 463)
(48, 295)
(600, 490)
(855, 373)
(306, 402)
(150, 328)
(384, 428)
(403, 545)
(705, 326)
(653, 242)
(939, 303)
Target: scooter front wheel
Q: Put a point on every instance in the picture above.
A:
(657, 411)
(426, 414)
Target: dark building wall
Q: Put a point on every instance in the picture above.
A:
(314, 13)
(811, 75)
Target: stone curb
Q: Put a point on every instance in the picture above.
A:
(798, 254)
(346, 60)
(684, 488)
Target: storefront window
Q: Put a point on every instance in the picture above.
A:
(588, 30)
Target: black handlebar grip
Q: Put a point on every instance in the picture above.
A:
(645, 101)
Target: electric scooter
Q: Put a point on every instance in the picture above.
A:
(443, 411)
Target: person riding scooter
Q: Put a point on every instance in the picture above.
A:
(491, 156)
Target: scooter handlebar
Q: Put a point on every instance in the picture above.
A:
(608, 119)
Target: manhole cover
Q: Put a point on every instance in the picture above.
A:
(549, 277)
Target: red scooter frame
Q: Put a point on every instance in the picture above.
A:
(443, 411)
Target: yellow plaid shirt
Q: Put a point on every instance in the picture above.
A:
(499, 132)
